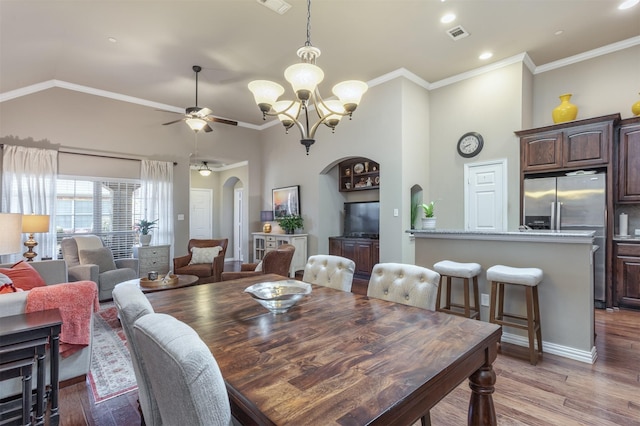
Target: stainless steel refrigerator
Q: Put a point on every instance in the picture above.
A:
(576, 202)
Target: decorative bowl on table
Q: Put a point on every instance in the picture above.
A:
(161, 281)
(279, 296)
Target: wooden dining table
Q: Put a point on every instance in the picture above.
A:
(336, 357)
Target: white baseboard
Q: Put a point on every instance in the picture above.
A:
(553, 348)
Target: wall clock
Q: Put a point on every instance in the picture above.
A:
(470, 144)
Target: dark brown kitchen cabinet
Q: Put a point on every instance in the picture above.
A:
(572, 145)
(629, 161)
(627, 280)
(363, 251)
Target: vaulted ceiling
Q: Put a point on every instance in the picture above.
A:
(236, 41)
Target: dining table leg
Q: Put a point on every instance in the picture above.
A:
(481, 409)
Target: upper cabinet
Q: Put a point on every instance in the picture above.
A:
(629, 161)
(359, 174)
(571, 145)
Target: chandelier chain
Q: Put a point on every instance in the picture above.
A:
(308, 42)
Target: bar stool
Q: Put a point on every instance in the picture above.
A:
(465, 271)
(499, 275)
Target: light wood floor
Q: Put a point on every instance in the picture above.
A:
(557, 391)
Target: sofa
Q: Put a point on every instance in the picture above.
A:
(73, 368)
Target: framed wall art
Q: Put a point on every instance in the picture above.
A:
(286, 201)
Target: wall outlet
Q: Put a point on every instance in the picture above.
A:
(484, 299)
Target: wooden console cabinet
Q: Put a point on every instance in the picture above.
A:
(627, 281)
(264, 242)
(628, 161)
(572, 145)
(363, 251)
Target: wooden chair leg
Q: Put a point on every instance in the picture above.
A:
(448, 304)
(533, 354)
(439, 294)
(536, 309)
(467, 310)
(500, 301)
(476, 297)
(492, 302)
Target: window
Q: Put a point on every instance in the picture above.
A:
(107, 208)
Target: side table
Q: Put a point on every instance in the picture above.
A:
(23, 337)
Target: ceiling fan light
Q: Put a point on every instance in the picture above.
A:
(350, 93)
(204, 170)
(265, 93)
(304, 78)
(196, 124)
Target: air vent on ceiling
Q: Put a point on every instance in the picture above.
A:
(457, 33)
(278, 6)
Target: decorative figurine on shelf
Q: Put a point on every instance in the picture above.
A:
(347, 172)
(369, 183)
(366, 167)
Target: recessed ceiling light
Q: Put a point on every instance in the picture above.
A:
(627, 4)
(485, 55)
(449, 17)
(112, 39)
(559, 32)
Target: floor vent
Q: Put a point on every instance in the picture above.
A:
(456, 33)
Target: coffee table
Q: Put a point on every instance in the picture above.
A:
(183, 281)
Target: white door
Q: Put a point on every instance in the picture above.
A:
(237, 225)
(200, 214)
(485, 194)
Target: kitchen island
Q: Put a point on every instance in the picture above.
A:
(565, 293)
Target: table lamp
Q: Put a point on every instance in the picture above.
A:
(10, 223)
(32, 223)
(266, 216)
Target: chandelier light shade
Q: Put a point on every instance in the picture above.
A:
(204, 170)
(11, 241)
(304, 78)
(31, 224)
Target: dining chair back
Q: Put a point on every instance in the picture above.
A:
(132, 304)
(184, 375)
(407, 284)
(330, 271)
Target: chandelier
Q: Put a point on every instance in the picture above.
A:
(204, 170)
(304, 78)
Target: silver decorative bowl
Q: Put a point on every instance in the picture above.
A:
(279, 296)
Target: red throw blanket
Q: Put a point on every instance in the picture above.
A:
(77, 302)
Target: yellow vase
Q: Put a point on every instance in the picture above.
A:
(566, 111)
(635, 108)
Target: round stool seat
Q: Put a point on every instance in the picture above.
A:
(456, 269)
(508, 274)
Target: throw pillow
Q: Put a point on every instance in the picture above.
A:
(23, 276)
(100, 256)
(259, 267)
(204, 254)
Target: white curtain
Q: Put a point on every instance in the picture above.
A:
(157, 198)
(29, 186)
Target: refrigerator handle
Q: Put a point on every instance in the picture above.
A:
(559, 216)
(552, 225)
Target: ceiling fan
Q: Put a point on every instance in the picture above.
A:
(199, 118)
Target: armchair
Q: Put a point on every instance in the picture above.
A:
(89, 260)
(208, 272)
(274, 262)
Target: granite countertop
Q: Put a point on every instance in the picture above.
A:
(627, 239)
(536, 235)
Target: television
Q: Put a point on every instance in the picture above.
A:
(362, 219)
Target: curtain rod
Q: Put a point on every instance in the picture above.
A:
(71, 151)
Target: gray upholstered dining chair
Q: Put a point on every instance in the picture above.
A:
(407, 284)
(132, 304)
(184, 375)
(330, 271)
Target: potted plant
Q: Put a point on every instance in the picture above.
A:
(429, 220)
(143, 227)
(290, 222)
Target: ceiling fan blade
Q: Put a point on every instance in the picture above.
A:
(172, 122)
(171, 112)
(222, 120)
(207, 128)
(203, 112)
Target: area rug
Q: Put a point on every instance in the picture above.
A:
(111, 373)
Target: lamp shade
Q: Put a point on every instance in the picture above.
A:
(266, 215)
(328, 108)
(265, 92)
(11, 241)
(32, 223)
(291, 108)
(304, 78)
(350, 93)
(196, 124)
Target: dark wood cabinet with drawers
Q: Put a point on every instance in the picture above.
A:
(627, 288)
(363, 251)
